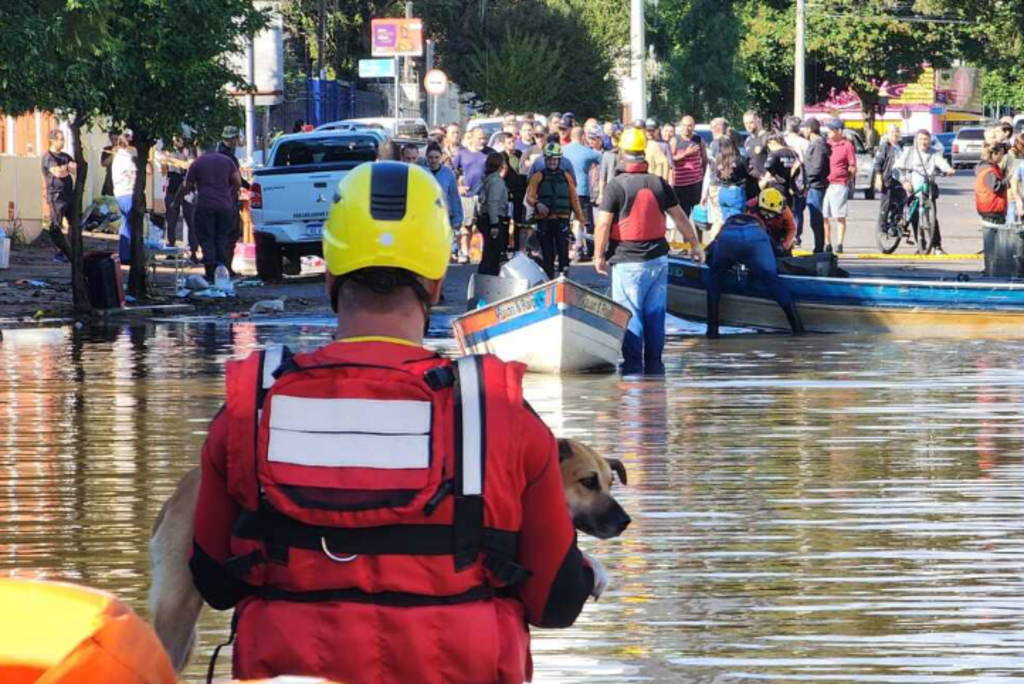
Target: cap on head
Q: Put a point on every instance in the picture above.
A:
(567, 121)
(834, 125)
(651, 124)
(229, 133)
(388, 215)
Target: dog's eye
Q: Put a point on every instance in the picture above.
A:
(591, 483)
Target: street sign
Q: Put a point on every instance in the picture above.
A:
(435, 82)
(376, 68)
(397, 37)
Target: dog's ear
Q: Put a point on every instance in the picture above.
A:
(564, 450)
(619, 468)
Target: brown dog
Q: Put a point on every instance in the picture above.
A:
(176, 605)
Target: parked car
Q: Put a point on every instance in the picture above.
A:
(492, 125)
(967, 146)
(293, 192)
(395, 128)
(865, 165)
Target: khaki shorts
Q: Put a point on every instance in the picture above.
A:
(470, 206)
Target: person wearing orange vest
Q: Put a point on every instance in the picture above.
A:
(375, 512)
(630, 242)
(990, 186)
(779, 222)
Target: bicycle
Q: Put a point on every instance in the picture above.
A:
(900, 219)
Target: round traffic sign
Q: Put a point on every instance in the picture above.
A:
(435, 82)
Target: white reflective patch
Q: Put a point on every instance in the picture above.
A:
(376, 416)
(349, 450)
(472, 426)
(357, 433)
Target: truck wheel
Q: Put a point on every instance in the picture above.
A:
(869, 193)
(268, 258)
(292, 262)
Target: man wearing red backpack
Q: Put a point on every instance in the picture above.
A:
(377, 513)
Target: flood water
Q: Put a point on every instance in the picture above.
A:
(820, 509)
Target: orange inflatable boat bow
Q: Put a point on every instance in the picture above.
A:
(56, 633)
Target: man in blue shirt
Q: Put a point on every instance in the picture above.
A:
(583, 159)
(445, 177)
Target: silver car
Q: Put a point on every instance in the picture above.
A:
(967, 146)
(865, 165)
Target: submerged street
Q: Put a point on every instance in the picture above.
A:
(805, 509)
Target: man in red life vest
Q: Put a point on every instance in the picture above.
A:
(376, 513)
(630, 243)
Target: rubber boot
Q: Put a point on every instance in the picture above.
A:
(793, 316)
(714, 309)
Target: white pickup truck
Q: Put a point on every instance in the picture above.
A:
(292, 194)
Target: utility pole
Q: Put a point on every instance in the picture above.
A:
(320, 73)
(638, 58)
(799, 69)
(250, 99)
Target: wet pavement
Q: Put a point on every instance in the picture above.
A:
(821, 509)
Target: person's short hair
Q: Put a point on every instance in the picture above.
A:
(410, 146)
(752, 113)
(433, 147)
(792, 124)
(55, 133)
(494, 162)
(813, 125)
(777, 138)
(925, 132)
(504, 136)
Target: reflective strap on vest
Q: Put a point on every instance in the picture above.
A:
(471, 409)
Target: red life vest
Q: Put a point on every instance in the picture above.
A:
(987, 200)
(641, 218)
(373, 495)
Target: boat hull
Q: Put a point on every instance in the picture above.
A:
(556, 327)
(919, 307)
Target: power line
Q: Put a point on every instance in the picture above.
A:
(907, 19)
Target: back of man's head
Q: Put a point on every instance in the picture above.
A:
(813, 126)
(793, 124)
(577, 134)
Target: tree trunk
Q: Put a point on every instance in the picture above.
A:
(79, 292)
(139, 225)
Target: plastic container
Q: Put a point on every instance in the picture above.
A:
(524, 268)
(103, 280)
(1004, 250)
(222, 280)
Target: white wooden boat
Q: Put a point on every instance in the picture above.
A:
(556, 327)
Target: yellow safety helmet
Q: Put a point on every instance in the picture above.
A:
(634, 141)
(770, 201)
(388, 215)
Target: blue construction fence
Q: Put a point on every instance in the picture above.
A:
(327, 100)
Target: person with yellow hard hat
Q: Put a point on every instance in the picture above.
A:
(779, 222)
(375, 512)
(630, 243)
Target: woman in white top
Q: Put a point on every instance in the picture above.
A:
(124, 171)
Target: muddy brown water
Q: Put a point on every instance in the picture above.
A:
(823, 509)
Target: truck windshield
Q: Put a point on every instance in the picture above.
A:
(334, 150)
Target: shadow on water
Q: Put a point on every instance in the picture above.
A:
(820, 509)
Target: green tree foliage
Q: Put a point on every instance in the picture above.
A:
(588, 33)
(164, 73)
(51, 58)
(346, 35)
(506, 73)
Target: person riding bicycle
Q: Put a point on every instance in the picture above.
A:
(917, 166)
(779, 223)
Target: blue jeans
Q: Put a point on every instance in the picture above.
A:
(815, 201)
(799, 204)
(124, 245)
(642, 287)
(750, 246)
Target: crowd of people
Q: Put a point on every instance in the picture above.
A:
(999, 186)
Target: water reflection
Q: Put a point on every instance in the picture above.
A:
(821, 509)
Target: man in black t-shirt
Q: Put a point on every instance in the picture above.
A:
(58, 169)
(630, 237)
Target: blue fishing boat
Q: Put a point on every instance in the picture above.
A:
(919, 306)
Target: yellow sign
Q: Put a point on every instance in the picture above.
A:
(921, 91)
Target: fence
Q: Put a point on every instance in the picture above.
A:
(321, 101)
